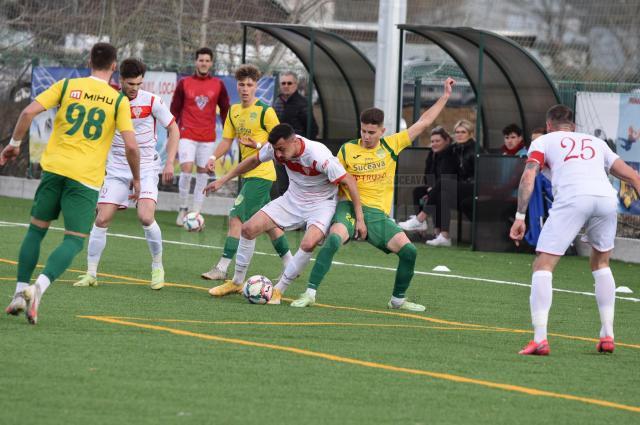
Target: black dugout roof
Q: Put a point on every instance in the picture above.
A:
(342, 75)
(514, 87)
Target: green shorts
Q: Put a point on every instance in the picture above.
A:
(380, 228)
(77, 202)
(255, 194)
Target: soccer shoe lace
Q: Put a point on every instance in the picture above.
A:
(276, 297)
(304, 300)
(17, 305)
(32, 295)
(536, 348)
(214, 274)
(407, 305)
(86, 280)
(413, 224)
(606, 345)
(157, 279)
(228, 287)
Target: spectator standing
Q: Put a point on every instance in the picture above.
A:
(194, 105)
(513, 141)
(291, 107)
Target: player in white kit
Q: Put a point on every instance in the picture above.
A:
(314, 174)
(583, 196)
(147, 110)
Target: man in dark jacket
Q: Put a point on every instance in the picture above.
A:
(291, 107)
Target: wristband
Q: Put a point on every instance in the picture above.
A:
(15, 143)
(213, 158)
(258, 145)
(520, 216)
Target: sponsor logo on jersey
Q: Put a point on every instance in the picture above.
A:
(253, 115)
(75, 94)
(136, 111)
(380, 153)
(201, 101)
(356, 156)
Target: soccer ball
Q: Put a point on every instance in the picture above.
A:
(193, 222)
(258, 289)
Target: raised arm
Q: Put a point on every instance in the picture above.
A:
(430, 115)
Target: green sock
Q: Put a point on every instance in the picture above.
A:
(30, 252)
(324, 259)
(281, 245)
(404, 273)
(62, 256)
(230, 247)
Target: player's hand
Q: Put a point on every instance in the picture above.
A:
(249, 142)
(167, 173)
(212, 187)
(448, 86)
(211, 165)
(361, 230)
(8, 153)
(135, 186)
(517, 231)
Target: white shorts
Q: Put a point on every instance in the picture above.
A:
(289, 213)
(598, 214)
(198, 152)
(115, 189)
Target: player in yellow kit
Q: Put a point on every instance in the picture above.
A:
(73, 164)
(250, 122)
(371, 160)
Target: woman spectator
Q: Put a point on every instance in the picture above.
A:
(441, 168)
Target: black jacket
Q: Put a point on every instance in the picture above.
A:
(293, 111)
(466, 154)
(439, 165)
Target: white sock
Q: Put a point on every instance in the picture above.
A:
(606, 298)
(20, 286)
(540, 302)
(311, 292)
(223, 264)
(198, 196)
(97, 242)
(397, 302)
(243, 258)
(293, 269)
(184, 184)
(153, 234)
(286, 258)
(43, 282)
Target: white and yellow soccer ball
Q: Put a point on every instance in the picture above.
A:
(193, 222)
(258, 289)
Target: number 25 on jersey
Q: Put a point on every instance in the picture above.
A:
(585, 151)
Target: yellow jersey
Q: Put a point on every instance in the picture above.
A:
(89, 113)
(255, 121)
(374, 169)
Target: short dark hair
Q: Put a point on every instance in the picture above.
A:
(560, 114)
(248, 71)
(103, 55)
(440, 131)
(132, 68)
(512, 128)
(539, 130)
(204, 51)
(372, 116)
(280, 131)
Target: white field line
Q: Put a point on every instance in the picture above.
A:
(339, 263)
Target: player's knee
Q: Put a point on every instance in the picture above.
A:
(146, 219)
(102, 221)
(249, 230)
(308, 246)
(408, 253)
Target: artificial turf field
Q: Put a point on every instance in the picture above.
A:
(122, 353)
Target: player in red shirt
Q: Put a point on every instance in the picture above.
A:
(194, 105)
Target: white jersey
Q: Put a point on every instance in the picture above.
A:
(313, 175)
(146, 109)
(579, 163)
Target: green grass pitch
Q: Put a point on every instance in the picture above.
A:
(122, 353)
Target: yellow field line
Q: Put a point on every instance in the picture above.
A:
(374, 365)
(365, 310)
